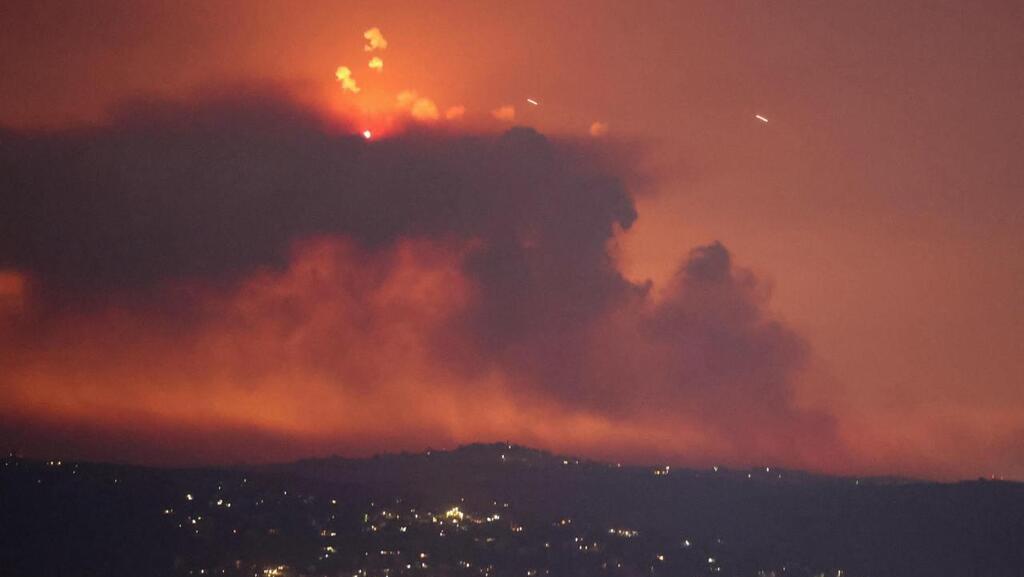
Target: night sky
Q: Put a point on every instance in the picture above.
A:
(785, 233)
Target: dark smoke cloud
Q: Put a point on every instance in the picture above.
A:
(169, 192)
(210, 192)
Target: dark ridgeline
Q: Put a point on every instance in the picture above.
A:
(497, 510)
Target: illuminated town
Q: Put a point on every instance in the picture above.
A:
(290, 521)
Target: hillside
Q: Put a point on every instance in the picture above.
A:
(497, 510)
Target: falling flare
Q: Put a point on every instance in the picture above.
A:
(533, 102)
(344, 76)
(367, 134)
(761, 118)
(374, 40)
(376, 64)
(598, 129)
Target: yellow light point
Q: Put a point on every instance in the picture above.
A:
(374, 40)
(376, 63)
(344, 76)
(454, 513)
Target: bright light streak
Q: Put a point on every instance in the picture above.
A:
(761, 118)
(533, 102)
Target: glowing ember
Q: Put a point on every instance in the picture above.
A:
(344, 76)
(374, 40)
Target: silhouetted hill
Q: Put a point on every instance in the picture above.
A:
(503, 510)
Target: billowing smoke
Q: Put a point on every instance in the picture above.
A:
(419, 107)
(236, 264)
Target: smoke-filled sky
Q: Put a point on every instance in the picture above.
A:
(785, 233)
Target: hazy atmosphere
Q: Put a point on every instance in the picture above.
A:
(692, 233)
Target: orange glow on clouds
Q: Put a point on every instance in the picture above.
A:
(13, 292)
(419, 108)
(334, 349)
(331, 346)
(891, 238)
(455, 112)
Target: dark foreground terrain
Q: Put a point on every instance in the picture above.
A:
(496, 510)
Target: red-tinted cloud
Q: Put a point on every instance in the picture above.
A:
(235, 265)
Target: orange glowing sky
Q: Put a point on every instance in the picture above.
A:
(880, 206)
